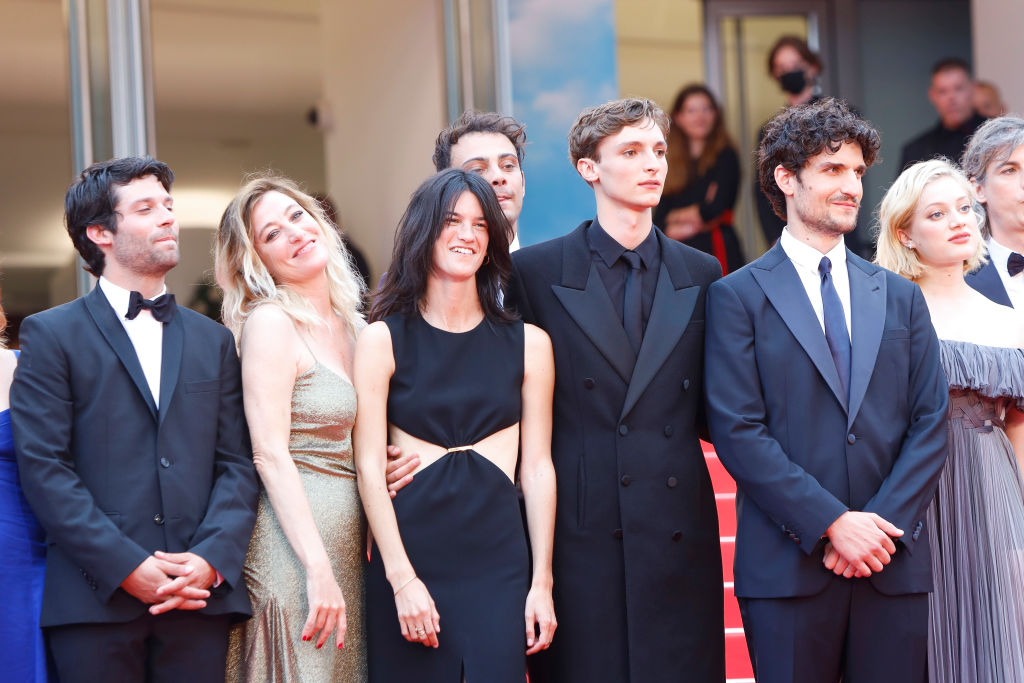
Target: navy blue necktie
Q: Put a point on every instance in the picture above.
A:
(836, 334)
(632, 302)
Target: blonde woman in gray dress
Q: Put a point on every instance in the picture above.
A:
(929, 234)
(291, 298)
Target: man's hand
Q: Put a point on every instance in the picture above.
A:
(189, 589)
(398, 473)
(859, 543)
(148, 583)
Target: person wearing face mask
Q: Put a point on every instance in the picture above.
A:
(703, 179)
(796, 67)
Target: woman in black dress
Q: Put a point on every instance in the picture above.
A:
(703, 179)
(445, 372)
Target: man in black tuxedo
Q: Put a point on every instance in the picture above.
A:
(827, 404)
(994, 161)
(132, 449)
(637, 564)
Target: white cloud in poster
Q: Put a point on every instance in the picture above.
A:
(537, 27)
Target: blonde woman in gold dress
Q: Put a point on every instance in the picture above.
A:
(291, 298)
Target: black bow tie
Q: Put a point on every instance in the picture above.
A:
(161, 307)
(1015, 264)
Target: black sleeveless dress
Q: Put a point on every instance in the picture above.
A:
(459, 519)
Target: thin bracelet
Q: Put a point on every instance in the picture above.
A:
(404, 585)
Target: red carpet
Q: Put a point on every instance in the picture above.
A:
(737, 661)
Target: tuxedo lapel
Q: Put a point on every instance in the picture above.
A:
(777, 277)
(583, 296)
(113, 331)
(867, 316)
(170, 361)
(987, 281)
(592, 309)
(671, 311)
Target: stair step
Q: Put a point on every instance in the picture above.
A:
(720, 479)
(732, 608)
(737, 658)
(726, 503)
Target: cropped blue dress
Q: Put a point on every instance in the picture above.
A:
(22, 565)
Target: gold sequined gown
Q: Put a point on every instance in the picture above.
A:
(269, 646)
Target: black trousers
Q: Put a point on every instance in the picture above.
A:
(848, 632)
(178, 647)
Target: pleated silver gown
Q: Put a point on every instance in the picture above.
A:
(976, 522)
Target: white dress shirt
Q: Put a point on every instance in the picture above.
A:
(514, 244)
(805, 259)
(145, 332)
(1014, 286)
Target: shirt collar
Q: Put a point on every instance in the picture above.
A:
(610, 250)
(998, 255)
(807, 257)
(118, 296)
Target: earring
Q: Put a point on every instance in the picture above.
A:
(487, 259)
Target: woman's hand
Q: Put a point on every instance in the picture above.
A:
(540, 612)
(326, 608)
(682, 224)
(417, 614)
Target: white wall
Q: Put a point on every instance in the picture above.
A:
(997, 28)
(384, 85)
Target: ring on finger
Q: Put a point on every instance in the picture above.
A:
(420, 632)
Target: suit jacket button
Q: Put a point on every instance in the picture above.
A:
(626, 479)
(686, 385)
(623, 430)
(617, 533)
(851, 439)
(158, 519)
(672, 481)
(668, 431)
(588, 383)
(676, 535)
(164, 462)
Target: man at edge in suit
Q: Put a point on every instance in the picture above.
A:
(994, 161)
(132, 449)
(827, 404)
(637, 565)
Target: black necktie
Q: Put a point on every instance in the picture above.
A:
(633, 302)
(835, 324)
(161, 307)
(1015, 264)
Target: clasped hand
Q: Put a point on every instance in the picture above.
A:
(859, 543)
(169, 581)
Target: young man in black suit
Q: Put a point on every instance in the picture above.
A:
(132, 449)
(637, 564)
(827, 404)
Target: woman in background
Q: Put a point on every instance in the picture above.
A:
(444, 371)
(23, 560)
(703, 179)
(929, 234)
(291, 297)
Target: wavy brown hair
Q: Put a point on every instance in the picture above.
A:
(796, 134)
(682, 168)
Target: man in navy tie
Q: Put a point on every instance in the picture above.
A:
(994, 161)
(827, 403)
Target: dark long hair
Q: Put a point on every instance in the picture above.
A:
(681, 167)
(405, 283)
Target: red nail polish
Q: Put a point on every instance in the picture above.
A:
(319, 646)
